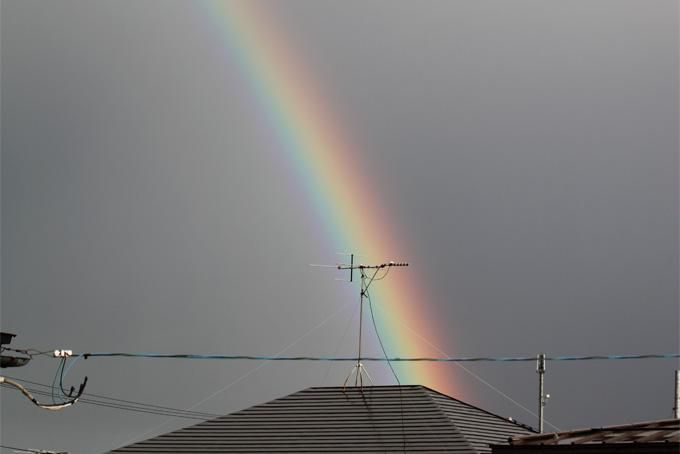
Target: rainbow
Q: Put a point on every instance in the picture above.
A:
(325, 162)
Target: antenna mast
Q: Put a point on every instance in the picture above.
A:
(368, 274)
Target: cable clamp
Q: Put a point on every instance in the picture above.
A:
(63, 353)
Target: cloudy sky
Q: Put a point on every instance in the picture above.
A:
(527, 151)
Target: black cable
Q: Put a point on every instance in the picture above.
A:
(60, 369)
(387, 270)
(446, 359)
(161, 407)
(64, 371)
(61, 380)
(382, 346)
(377, 333)
(130, 403)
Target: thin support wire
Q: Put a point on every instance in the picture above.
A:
(337, 348)
(239, 379)
(478, 378)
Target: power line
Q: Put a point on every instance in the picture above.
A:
(123, 407)
(503, 359)
(161, 407)
(128, 405)
(4, 381)
(137, 407)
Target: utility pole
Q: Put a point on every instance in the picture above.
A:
(542, 397)
(676, 409)
(368, 274)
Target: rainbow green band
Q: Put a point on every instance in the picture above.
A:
(325, 163)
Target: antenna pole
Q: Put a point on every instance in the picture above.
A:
(366, 281)
(359, 366)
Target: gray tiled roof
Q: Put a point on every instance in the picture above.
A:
(662, 431)
(333, 419)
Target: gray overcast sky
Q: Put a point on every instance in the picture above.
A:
(528, 148)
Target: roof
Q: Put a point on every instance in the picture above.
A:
(667, 430)
(647, 437)
(336, 419)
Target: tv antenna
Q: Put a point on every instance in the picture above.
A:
(368, 274)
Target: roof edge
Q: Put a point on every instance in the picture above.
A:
(576, 432)
(510, 420)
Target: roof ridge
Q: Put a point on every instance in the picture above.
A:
(362, 387)
(427, 392)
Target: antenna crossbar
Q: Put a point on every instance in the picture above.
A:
(371, 267)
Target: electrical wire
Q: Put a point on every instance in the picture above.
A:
(122, 400)
(68, 397)
(375, 277)
(63, 373)
(96, 399)
(32, 451)
(29, 396)
(124, 407)
(61, 380)
(377, 333)
(60, 368)
(447, 359)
